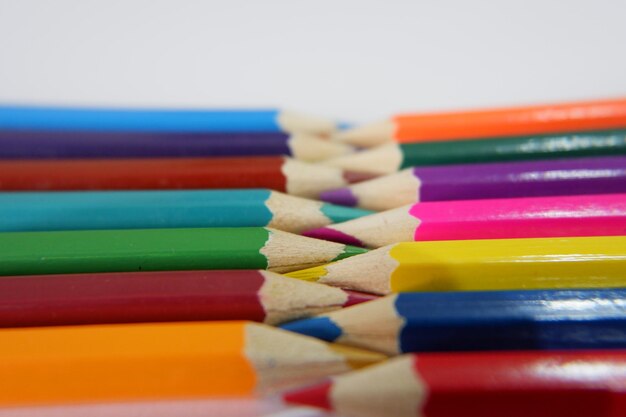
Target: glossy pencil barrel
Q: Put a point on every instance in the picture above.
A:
(513, 121)
(522, 179)
(604, 143)
(160, 173)
(53, 144)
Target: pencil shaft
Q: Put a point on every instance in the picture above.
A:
(522, 179)
(516, 148)
(542, 119)
(132, 250)
(504, 320)
(460, 265)
(150, 120)
(45, 300)
(53, 144)
(124, 174)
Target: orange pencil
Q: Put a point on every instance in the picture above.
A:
(490, 123)
(78, 364)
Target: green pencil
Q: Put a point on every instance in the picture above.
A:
(392, 157)
(26, 253)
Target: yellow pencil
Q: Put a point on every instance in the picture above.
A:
(480, 265)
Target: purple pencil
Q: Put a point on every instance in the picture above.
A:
(603, 175)
(19, 144)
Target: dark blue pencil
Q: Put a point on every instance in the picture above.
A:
(462, 321)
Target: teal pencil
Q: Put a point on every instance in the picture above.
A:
(47, 211)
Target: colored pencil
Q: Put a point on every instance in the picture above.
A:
(131, 297)
(42, 211)
(492, 180)
(280, 174)
(475, 265)
(488, 320)
(485, 123)
(34, 253)
(485, 384)
(390, 158)
(563, 216)
(18, 144)
(102, 363)
(159, 120)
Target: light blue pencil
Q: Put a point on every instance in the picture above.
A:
(43, 211)
(35, 118)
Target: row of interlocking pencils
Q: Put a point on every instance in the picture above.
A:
(468, 263)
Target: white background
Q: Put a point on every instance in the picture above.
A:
(359, 60)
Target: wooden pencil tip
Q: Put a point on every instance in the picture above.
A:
(327, 233)
(358, 297)
(309, 274)
(314, 396)
(368, 135)
(358, 358)
(341, 196)
(352, 177)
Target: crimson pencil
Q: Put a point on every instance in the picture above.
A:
(256, 295)
(277, 173)
(511, 384)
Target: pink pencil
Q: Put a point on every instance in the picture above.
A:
(564, 216)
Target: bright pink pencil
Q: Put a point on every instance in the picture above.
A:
(564, 216)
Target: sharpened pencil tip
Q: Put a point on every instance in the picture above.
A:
(319, 327)
(350, 251)
(352, 177)
(358, 297)
(315, 396)
(327, 233)
(339, 214)
(309, 274)
(341, 196)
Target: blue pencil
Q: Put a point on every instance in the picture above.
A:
(466, 321)
(158, 120)
(44, 211)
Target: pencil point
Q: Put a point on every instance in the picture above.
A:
(319, 327)
(341, 196)
(358, 297)
(349, 251)
(339, 214)
(309, 274)
(352, 177)
(315, 396)
(327, 233)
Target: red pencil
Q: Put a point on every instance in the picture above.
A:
(485, 384)
(277, 173)
(164, 296)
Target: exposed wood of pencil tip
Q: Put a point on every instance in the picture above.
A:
(288, 252)
(369, 272)
(285, 359)
(286, 299)
(368, 135)
(384, 159)
(375, 230)
(309, 180)
(295, 214)
(295, 122)
(310, 148)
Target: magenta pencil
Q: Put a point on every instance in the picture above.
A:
(565, 216)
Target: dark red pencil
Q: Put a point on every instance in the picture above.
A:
(261, 296)
(277, 173)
